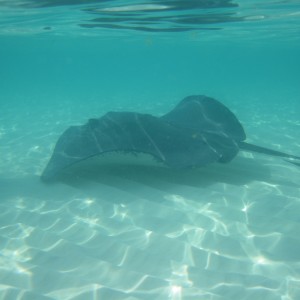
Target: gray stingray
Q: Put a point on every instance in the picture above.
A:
(198, 131)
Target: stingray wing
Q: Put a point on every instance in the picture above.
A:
(128, 132)
(198, 131)
(206, 115)
(213, 121)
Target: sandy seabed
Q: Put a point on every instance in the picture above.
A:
(134, 231)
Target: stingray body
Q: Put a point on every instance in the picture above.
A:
(198, 131)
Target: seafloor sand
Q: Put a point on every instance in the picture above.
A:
(146, 232)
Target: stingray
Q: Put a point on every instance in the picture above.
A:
(198, 131)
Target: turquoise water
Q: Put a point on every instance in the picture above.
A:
(133, 230)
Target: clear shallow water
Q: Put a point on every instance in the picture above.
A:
(137, 231)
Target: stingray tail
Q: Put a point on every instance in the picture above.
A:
(254, 148)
